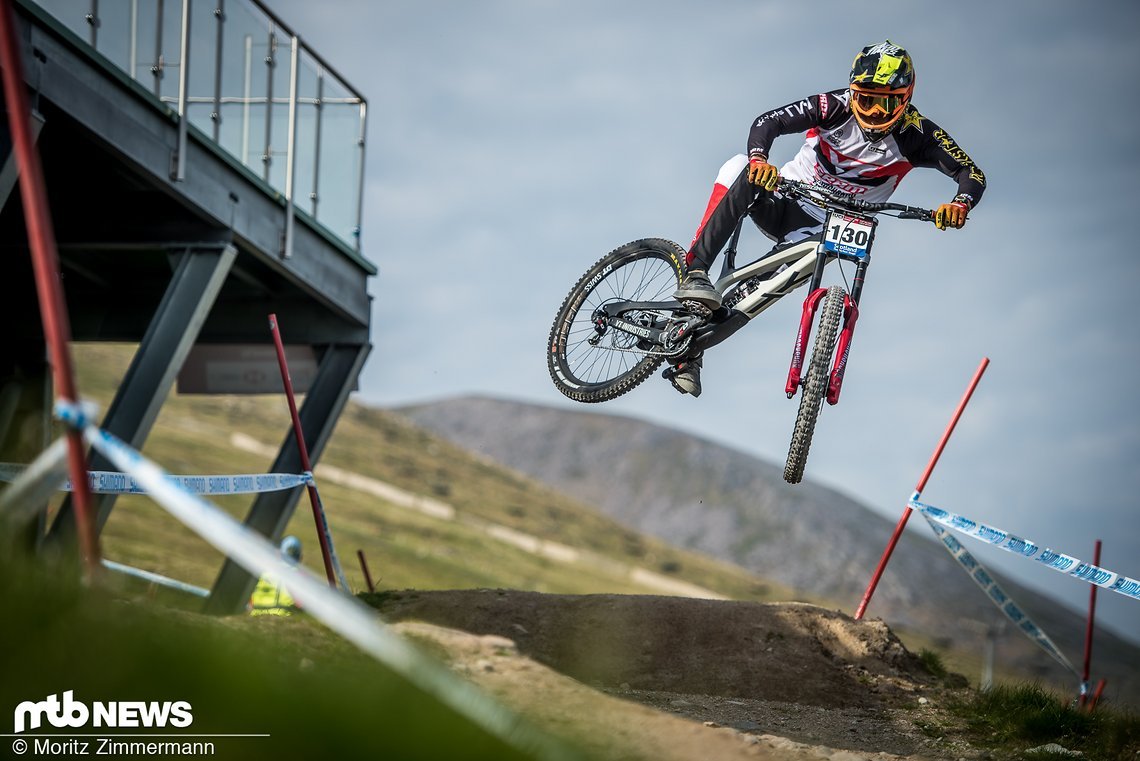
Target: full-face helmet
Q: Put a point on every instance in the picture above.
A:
(882, 82)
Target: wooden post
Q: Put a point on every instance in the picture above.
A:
(364, 567)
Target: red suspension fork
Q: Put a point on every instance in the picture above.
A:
(850, 317)
(811, 305)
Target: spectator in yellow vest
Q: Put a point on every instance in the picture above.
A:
(270, 597)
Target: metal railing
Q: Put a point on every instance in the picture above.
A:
(244, 80)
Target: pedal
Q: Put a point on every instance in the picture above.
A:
(697, 308)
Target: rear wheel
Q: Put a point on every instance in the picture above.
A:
(814, 387)
(596, 363)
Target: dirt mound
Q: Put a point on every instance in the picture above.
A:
(788, 653)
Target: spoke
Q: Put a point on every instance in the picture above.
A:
(647, 279)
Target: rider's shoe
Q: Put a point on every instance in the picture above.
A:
(685, 376)
(696, 286)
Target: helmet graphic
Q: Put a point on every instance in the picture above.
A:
(291, 549)
(882, 81)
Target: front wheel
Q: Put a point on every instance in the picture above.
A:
(587, 361)
(815, 384)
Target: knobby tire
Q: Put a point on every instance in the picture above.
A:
(645, 270)
(814, 387)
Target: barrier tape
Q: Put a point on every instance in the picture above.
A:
(343, 614)
(997, 595)
(112, 482)
(1066, 564)
(155, 578)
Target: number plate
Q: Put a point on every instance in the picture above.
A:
(847, 234)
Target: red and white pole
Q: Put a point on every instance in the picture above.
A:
(45, 263)
(918, 489)
(314, 500)
(1089, 630)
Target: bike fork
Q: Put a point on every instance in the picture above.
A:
(811, 305)
(843, 348)
(850, 317)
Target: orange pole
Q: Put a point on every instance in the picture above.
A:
(918, 490)
(45, 262)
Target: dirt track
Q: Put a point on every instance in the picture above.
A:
(725, 679)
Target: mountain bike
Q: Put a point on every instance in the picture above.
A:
(620, 322)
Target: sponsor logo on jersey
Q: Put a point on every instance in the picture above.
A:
(822, 176)
(790, 110)
(911, 118)
(957, 154)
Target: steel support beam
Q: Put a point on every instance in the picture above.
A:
(9, 168)
(25, 418)
(336, 377)
(197, 279)
(25, 376)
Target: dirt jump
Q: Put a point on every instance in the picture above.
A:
(726, 679)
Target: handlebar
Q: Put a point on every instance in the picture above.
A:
(830, 198)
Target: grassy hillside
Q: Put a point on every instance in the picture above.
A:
(503, 531)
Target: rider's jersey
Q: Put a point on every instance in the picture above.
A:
(837, 153)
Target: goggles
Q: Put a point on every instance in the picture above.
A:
(878, 108)
(886, 103)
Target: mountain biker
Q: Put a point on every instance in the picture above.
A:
(862, 140)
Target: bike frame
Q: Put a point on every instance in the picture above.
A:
(805, 261)
(801, 260)
(782, 270)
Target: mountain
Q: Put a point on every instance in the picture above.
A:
(703, 496)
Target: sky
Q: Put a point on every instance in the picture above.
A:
(511, 143)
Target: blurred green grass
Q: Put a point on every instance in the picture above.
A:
(315, 695)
